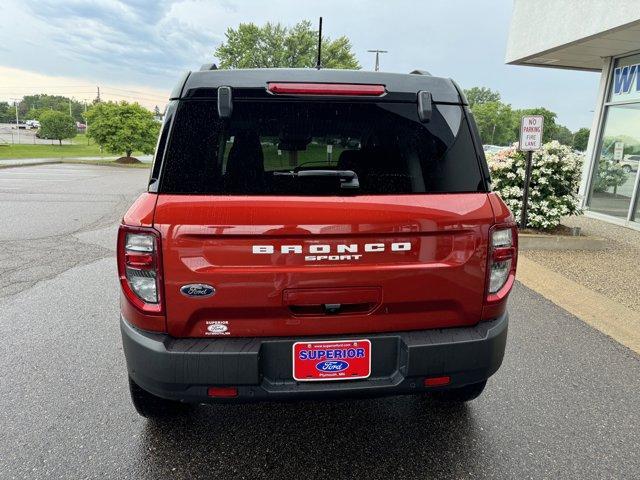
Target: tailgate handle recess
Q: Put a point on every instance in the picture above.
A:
(332, 301)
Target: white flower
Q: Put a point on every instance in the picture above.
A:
(555, 177)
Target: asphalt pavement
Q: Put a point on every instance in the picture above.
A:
(565, 404)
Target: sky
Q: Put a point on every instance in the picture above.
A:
(137, 49)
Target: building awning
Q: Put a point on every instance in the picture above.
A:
(576, 35)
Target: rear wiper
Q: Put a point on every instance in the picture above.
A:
(348, 178)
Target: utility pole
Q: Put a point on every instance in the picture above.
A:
(86, 121)
(15, 103)
(377, 52)
(98, 97)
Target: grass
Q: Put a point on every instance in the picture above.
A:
(78, 148)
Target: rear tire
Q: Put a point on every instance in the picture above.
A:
(151, 406)
(459, 394)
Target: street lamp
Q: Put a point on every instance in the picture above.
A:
(377, 52)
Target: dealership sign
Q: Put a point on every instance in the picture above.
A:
(626, 83)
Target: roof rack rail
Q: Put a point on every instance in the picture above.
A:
(208, 66)
(419, 72)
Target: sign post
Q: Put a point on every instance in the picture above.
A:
(531, 127)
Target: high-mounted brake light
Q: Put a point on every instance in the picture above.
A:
(140, 268)
(502, 261)
(348, 89)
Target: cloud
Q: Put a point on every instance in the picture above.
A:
(126, 36)
(150, 42)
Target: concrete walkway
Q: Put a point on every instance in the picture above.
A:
(610, 317)
(602, 288)
(613, 272)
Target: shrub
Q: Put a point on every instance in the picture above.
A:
(555, 177)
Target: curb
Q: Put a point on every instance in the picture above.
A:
(617, 321)
(529, 241)
(28, 164)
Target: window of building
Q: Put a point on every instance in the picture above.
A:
(614, 179)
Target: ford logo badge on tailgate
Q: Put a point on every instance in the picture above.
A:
(197, 290)
(332, 366)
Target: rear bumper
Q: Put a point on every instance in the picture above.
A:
(183, 369)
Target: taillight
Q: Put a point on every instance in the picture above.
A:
(140, 267)
(222, 392)
(503, 250)
(349, 89)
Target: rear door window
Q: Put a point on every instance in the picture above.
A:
(319, 148)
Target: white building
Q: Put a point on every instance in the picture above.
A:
(594, 35)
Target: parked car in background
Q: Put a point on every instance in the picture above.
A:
(630, 163)
(32, 124)
(81, 126)
(492, 148)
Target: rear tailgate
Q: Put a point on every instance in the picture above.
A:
(293, 266)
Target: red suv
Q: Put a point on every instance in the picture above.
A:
(314, 233)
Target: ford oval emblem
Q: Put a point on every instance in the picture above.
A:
(332, 366)
(197, 290)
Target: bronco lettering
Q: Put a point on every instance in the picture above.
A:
(326, 250)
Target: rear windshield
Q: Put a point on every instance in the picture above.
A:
(319, 148)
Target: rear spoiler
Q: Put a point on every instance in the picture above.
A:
(399, 87)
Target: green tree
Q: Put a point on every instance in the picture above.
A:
(277, 46)
(122, 127)
(563, 135)
(57, 125)
(549, 126)
(7, 113)
(32, 106)
(479, 95)
(580, 139)
(495, 122)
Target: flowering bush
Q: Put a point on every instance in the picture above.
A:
(555, 177)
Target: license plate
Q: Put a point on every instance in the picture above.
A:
(331, 360)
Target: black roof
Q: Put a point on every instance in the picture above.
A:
(443, 90)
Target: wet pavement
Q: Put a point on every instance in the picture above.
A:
(565, 404)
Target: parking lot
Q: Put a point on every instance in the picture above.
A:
(565, 403)
(11, 135)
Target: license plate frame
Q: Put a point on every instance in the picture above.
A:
(325, 367)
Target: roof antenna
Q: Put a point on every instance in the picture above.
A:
(319, 64)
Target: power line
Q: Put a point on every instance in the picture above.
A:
(25, 90)
(131, 91)
(112, 94)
